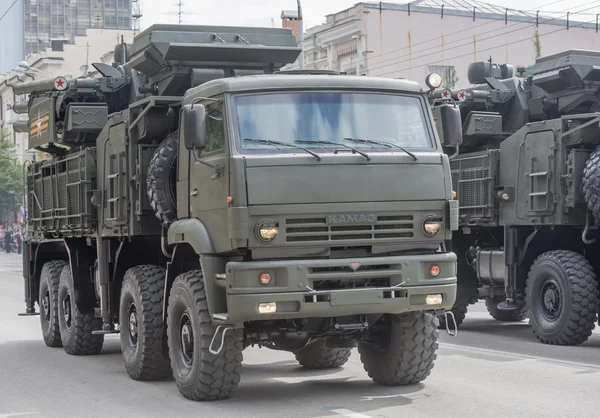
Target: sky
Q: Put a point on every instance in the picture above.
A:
(261, 12)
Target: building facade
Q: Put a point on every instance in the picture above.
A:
(410, 40)
(34, 25)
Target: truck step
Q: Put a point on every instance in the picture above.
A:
(221, 316)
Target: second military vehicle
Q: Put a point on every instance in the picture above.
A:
(528, 184)
(205, 202)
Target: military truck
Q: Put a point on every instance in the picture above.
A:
(200, 200)
(528, 183)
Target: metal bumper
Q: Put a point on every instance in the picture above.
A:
(297, 286)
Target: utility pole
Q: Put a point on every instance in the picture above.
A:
(301, 34)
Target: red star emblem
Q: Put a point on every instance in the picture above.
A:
(461, 95)
(59, 83)
(445, 93)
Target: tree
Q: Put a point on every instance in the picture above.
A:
(537, 44)
(11, 178)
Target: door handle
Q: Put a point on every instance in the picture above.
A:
(194, 193)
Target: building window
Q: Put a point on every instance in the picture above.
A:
(448, 74)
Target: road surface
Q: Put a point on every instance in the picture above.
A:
(491, 369)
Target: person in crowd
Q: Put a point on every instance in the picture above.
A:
(8, 237)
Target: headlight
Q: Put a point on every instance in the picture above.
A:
(432, 225)
(267, 230)
(433, 81)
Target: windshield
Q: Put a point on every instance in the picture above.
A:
(331, 116)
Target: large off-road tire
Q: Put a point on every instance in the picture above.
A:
(141, 323)
(318, 356)
(590, 185)
(562, 298)
(506, 316)
(161, 181)
(459, 309)
(405, 352)
(48, 300)
(199, 374)
(76, 326)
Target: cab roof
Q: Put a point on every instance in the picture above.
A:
(302, 81)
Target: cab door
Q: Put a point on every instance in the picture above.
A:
(209, 178)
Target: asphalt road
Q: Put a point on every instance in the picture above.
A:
(490, 369)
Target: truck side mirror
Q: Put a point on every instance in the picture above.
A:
(194, 126)
(448, 124)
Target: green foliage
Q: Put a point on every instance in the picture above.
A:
(537, 44)
(11, 178)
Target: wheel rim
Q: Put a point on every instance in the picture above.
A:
(46, 305)
(551, 297)
(133, 325)
(67, 310)
(186, 337)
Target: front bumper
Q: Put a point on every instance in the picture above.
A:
(300, 287)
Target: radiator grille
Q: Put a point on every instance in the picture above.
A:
(317, 230)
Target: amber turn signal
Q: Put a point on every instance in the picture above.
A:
(434, 270)
(264, 278)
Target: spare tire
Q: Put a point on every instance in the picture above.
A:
(590, 185)
(162, 180)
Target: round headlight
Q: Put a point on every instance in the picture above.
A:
(432, 225)
(433, 81)
(267, 230)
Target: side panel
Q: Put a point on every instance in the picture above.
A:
(532, 166)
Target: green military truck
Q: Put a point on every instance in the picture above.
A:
(528, 183)
(200, 201)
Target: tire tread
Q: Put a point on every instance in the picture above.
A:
(585, 292)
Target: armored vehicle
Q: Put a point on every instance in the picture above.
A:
(528, 183)
(200, 201)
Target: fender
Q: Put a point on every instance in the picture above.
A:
(192, 239)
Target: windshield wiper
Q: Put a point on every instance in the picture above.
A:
(311, 141)
(275, 143)
(386, 144)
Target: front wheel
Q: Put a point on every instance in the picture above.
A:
(562, 297)
(200, 375)
(402, 349)
(318, 356)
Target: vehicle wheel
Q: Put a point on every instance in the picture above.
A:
(318, 356)
(48, 300)
(590, 184)
(200, 375)
(141, 323)
(562, 297)
(506, 316)
(459, 309)
(161, 180)
(402, 350)
(76, 326)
